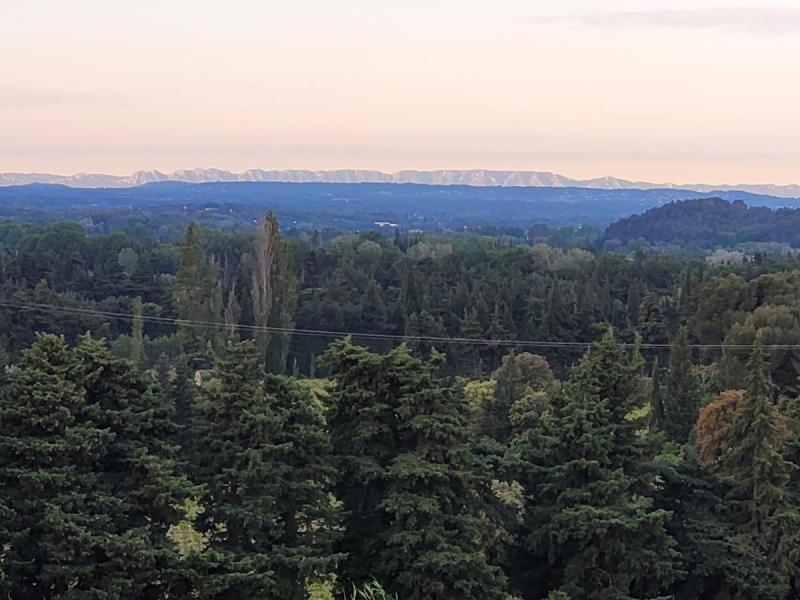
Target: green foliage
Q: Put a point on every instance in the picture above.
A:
(75, 420)
(588, 478)
(758, 473)
(414, 494)
(681, 396)
(374, 468)
(372, 590)
(262, 456)
(128, 260)
(715, 561)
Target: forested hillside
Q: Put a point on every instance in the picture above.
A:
(708, 223)
(244, 414)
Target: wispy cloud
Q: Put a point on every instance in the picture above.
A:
(741, 19)
(36, 98)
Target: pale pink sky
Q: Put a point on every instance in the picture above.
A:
(684, 91)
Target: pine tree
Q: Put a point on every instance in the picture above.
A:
(363, 429)
(263, 456)
(179, 390)
(235, 442)
(403, 446)
(757, 471)
(308, 514)
(87, 478)
(435, 546)
(425, 325)
(682, 392)
(588, 481)
(144, 502)
(45, 446)
(715, 561)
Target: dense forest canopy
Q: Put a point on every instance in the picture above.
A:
(500, 413)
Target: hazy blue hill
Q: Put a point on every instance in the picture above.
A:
(358, 206)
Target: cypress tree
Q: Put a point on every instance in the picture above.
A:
(470, 328)
(558, 319)
(283, 309)
(189, 294)
(137, 332)
(373, 308)
(197, 295)
(682, 392)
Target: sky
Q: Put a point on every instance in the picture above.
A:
(680, 91)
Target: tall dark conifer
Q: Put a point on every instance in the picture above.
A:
(436, 543)
(758, 473)
(363, 432)
(656, 398)
(53, 542)
(139, 478)
(235, 439)
(263, 457)
(414, 495)
(588, 480)
(88, 478)
(682, 392)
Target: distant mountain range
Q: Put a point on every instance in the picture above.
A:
(475, 177)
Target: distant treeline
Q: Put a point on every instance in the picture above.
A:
(189, 296)
(346, 207)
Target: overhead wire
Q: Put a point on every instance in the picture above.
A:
(334, 334)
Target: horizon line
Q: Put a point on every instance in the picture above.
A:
(166, 175)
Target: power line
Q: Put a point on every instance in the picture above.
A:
(359, 335)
